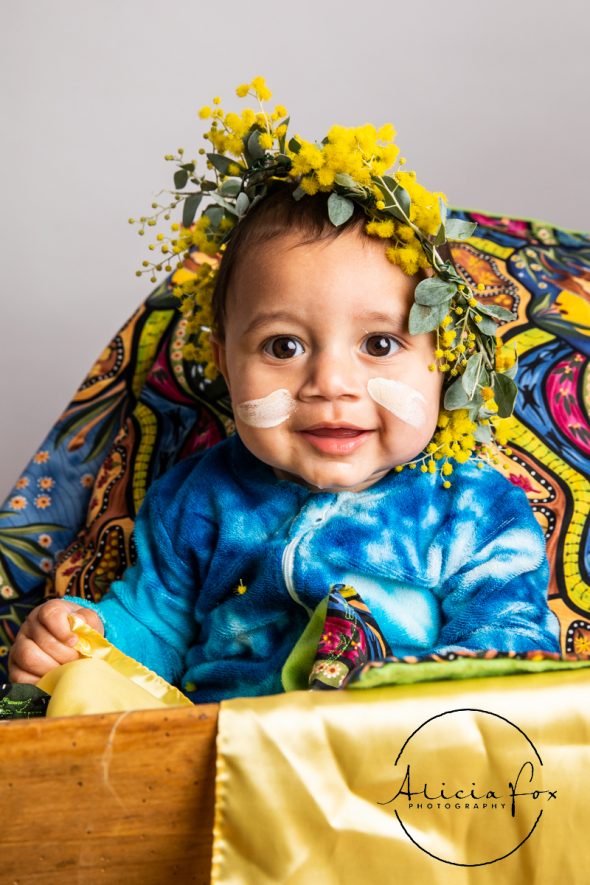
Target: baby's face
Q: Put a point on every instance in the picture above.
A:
(327, 385)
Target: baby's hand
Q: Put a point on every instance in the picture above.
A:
(45, 640)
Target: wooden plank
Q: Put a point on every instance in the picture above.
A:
(116, 798)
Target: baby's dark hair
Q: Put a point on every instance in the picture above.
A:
(278, 213)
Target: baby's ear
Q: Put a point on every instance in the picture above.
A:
(429, 271)
(219, 356)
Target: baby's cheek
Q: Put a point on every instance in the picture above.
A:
(402, 400)
(267, 411)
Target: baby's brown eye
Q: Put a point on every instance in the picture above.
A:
(283, 347)
(381, 345)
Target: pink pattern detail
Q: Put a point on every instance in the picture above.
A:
(562, 388)
(510, 225)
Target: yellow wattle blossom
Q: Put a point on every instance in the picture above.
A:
(262, 91)
(353, 151)
(266, 141)
(380, 228)
(234, 145)
(325, 178)
(409, 259)
(424, 209)
(309, 185)
(504, 429)
(236, 124)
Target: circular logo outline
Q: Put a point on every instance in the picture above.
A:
(404, 745)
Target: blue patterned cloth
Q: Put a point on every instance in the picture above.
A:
(232, 561)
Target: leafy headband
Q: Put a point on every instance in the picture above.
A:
(357, 166)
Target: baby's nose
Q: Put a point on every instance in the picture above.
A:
(332, 374)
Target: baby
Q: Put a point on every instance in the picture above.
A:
(237, 545)
(334, 306)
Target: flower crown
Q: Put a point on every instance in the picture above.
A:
(357, 166)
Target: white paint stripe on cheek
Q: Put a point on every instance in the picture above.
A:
(402, 400)
(269, 411)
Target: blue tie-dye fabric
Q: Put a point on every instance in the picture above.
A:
(441, 569)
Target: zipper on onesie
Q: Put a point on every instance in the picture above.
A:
(287, 569)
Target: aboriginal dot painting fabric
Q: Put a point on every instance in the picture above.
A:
(66, 526)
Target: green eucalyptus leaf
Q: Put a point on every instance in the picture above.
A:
(425, 318)
(189, 210)
(511, 372)
(207, 186)
(345, 180)
(215, 214)
(398, 204)
(230, 187)
(242, 204)
(434, 291)
(339, 209)
(190, 167)
(494, 310)
(219, 162)
(390, 183)
(298, 193)
(487, 325)
(470, 377)
(294, 146)
(443, 211)
(455, 396)
(449, 272)
(282, 138)
(254, 148)
(180, 179)
(459, 230)
(219, 201)
(403, 198)
(505, 391)
(440, 237)
(483, 434)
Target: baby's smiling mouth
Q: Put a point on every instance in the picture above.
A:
(335, 439)
(335, 430)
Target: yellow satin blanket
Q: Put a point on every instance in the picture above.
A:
(104, 680)
(481, 781)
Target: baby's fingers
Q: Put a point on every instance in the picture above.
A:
(52, 616)
(15, 674)
(59, 651)
(28, 662)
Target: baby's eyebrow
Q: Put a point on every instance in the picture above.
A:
(271, 316)
(391, 320)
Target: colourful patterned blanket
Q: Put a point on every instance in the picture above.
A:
(66, 525)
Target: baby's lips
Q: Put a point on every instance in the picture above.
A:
(335, 430)
(342, 432)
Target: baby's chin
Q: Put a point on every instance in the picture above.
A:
(333, 481)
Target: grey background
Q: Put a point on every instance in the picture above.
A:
(490, 102)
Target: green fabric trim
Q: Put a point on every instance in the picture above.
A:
(295, 673)
(22, 701)
(462, 668)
